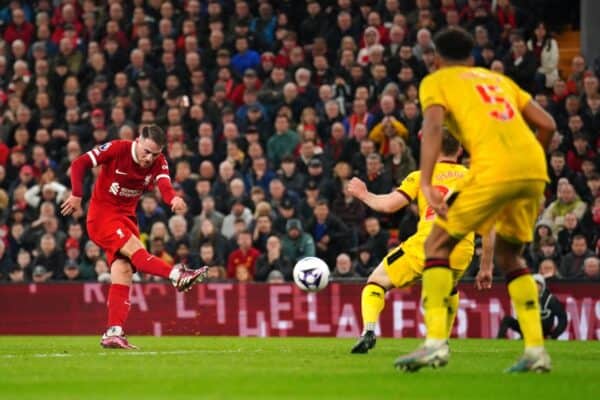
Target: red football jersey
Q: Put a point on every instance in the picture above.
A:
(122, 181)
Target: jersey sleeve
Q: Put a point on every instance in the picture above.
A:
(162, 180)
(161, 170)
(409, 187)
(430, 92)
(105, 152)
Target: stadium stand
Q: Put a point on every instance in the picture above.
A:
(270, 108)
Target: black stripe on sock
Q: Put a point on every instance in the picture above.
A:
(437, 263)
(512, 275)
(377, 284)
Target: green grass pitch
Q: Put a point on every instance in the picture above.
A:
(282, 368)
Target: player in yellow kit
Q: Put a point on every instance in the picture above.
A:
(404, 265)
(489, 114)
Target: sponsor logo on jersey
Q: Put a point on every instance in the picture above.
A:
(114, 188)
(117, 190)
(104, 147)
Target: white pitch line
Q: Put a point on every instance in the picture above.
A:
(127, 353)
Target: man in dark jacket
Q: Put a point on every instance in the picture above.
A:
(328, 231)
(551, 310)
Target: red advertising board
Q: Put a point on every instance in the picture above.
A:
(268, 310)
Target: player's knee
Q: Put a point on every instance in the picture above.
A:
(380, 278)
(121, 272)
(132, 245)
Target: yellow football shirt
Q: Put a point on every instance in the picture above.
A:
(447, 178)
(483, 113)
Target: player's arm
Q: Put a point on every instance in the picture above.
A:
(433, 121)
(483, 280)
(386, 203)
(79, 168)
(163, 181)
(545, 126)
(558, 310)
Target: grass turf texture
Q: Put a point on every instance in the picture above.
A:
(282, 368)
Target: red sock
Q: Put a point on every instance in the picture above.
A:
(118, 304)
(146, 262)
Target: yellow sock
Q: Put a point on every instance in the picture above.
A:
(372, 303)
(453, 302)
(524, 295)
(437, 285)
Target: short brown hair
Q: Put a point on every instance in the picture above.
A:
(155, 133)
(450, 145)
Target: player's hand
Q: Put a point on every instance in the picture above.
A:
(483, 280)
(357, 188)
(435, 200)
(70, 205)
(178, 205)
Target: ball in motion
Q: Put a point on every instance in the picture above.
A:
(311, 274)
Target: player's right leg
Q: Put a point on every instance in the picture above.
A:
(514, 228)
(523, 293)
(121, 275)
(438, 284)
(181, 277)
(372, 303)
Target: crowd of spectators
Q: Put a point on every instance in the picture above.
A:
(270, 107)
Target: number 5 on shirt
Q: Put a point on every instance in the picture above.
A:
(492, 94)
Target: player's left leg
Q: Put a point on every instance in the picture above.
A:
(118, 304)
(372, 303)
(182, 278)
(398, 269)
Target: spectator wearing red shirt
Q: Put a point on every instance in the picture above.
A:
(245, 256)
(580, 151)
(19, 28)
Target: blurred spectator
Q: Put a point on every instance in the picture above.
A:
(296, 244)
(343, 267)
(283, 142)
(376, 238)
(273, 260)
(545, 49)
(244, 256)
(328, 231)
(16, 275)
(40, 274)
(572, 263)
(399, 162)
(549, 270)
(566, 202)
(238, 211)
(520, 64)
(71, 271)
(275, 276)
(591, 269)
(5, 262)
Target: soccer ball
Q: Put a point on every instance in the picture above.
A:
(311, 274)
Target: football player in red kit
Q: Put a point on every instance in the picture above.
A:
(128, 170)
